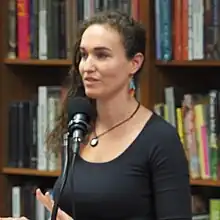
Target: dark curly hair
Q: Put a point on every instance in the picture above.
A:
(133, 37)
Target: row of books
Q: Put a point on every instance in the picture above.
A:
(187, 29)
(196, 117)
(29, 123)
(47, 29)
(205, 208)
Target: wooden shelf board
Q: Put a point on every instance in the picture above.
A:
(36, 62)
(198, 63)
(30, 172)
(33, 172)
(208, 182)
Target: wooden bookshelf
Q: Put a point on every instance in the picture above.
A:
(208, 182)
(30, 172)
(42, 173)
(32, 62)
(14, 86)
(19, 80)
(193, 76)
(193, 63)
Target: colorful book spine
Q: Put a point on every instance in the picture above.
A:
(23, 29)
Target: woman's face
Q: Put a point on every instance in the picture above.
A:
(104, 66)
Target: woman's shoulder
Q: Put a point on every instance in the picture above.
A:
(158, 127)
(161, 137)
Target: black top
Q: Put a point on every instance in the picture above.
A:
(148, 181)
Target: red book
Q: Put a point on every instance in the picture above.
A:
(135, 9)
(23, 29)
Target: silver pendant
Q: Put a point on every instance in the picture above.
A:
(94, 142)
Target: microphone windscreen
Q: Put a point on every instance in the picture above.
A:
(80, 105)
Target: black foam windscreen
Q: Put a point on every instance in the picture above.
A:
(80, 105)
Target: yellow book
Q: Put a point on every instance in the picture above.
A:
(201, 137)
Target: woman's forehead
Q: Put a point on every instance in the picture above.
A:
(100, 36)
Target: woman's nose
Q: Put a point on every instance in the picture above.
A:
(89, 64)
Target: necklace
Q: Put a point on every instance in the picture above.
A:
(94, 142)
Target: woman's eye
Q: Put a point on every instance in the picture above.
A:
(84, 55)
(102, 55)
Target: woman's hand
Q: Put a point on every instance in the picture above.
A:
(46, 200)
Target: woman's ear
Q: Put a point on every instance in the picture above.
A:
(136, 62)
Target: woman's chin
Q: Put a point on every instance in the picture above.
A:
(93, 94)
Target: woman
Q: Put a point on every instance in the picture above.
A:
(138, 169)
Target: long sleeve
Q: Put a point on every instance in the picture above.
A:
(170, 178)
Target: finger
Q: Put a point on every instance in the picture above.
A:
(60, 213)
(50, 201)
(43, 199)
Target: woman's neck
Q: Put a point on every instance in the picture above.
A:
(115, 110)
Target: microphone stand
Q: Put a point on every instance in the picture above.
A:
(74, 144)
(64, 176)
(77, 129)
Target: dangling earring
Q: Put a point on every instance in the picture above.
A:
(132, 87)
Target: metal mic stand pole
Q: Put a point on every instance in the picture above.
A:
(75, 145)
(64, 176)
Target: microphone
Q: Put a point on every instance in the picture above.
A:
(80, 114)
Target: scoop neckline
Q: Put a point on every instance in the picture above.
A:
(129, 148)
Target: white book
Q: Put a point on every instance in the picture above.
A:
(44, 123)
(88, 8)
(43, 30)
(197, 24)
(40, 211)
(42, 128)
(52, 113)
(16, 201)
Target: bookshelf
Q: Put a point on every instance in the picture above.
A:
(29, 172)
(182, 60)
(193, 63)
(19, 79)
(36, 62)
(208, 183)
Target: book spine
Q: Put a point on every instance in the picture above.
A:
(43, 51)
(184, 30)
(197, 29)
(177, 30)
(158, 37)
(62, 30)
(213, 123)
(42, 128)
(165, 9)
(23, 29)
(190, 135)
(16, 201)
(12, 36)
(216, 28)
(190, 30)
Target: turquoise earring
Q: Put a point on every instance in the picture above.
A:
(132, 87)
